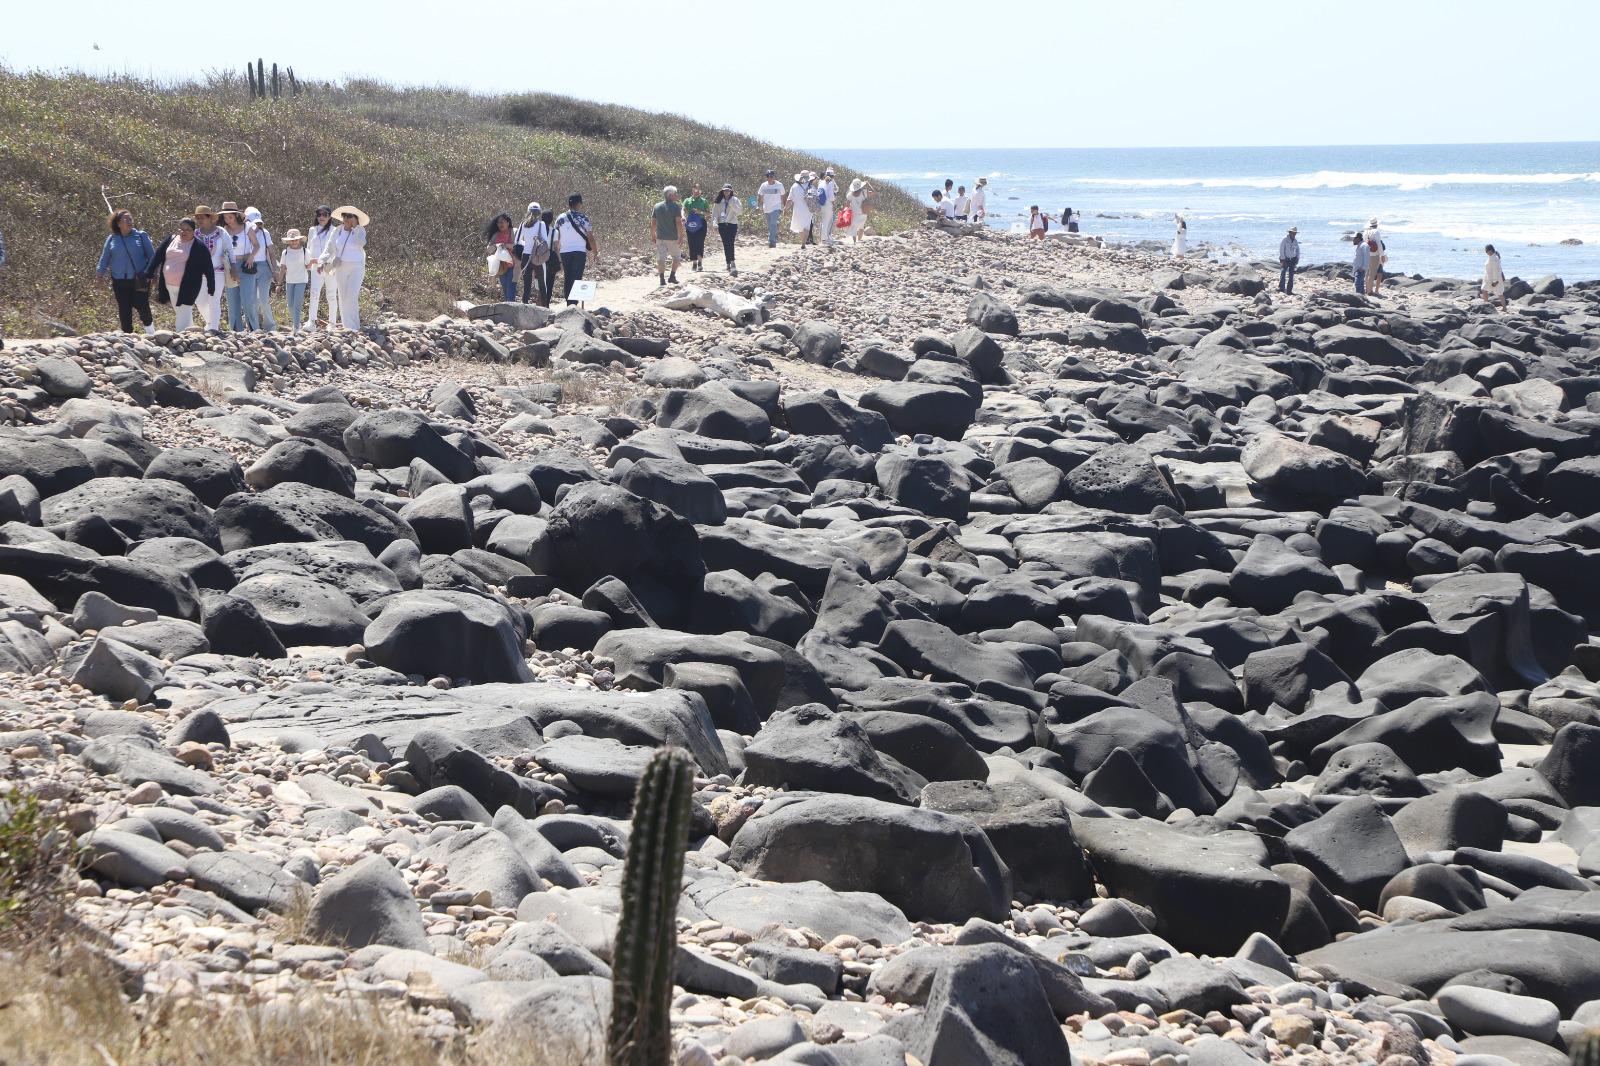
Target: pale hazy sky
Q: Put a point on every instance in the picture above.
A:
(942, 73)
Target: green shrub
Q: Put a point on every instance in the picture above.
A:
(39, 861)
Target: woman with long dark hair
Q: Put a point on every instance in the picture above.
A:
(317, 243)
(502, 252)
(125, 259)
(725, 209)
(1494, 278)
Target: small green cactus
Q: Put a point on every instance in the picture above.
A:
(647, 942)
(1586, 1048)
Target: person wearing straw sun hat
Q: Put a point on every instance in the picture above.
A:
(345, 258)
(1288, 260)
(980, 196)
(208, 302)
(294, 275)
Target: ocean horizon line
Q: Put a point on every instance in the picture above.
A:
(1202, 147)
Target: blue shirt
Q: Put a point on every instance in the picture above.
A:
(127, 257)
(1363, 256)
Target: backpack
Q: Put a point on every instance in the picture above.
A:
(540, 255)
(822, 194)
(812, 201)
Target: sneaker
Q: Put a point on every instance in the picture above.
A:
(673, 277)
(149, 331)
(733, 270)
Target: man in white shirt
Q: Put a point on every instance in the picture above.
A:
(943, 209)
(963, 204)
(1288, 261)
(771, 200)
(828, 191)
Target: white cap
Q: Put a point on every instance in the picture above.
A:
(252, 214)
(534, 207)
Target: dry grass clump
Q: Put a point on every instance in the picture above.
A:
(68, 1009)
(39, 862)
(430, 165)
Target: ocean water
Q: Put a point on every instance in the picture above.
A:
(1438, 205)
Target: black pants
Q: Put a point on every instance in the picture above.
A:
(572, 265)
(1286, 275)
(130, 299)
(729, 231)
(538, 278)
(697, 244)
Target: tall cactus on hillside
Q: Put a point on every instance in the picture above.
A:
(647, 942)
(1586, 1048)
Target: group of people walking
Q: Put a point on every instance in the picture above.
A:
(230, 256)
(538, 248)
(815, 211)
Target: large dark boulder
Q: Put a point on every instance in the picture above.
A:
(1293, 470)
(291, 512)
(714, 410)
(812, 747)
(935, 867)
(447, 634)
(1122, 478)
(985, 311)
(210, 473)
(600, 530)
(912, 408)
(1033, 835)
(139, 509)
(309, 462)
(986, 1005)
(392, 438)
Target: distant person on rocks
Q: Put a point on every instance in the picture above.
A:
(771, 201)
(1358, 266)
(725, 209)
(219, 250)
(860, 192)
(180, 271)
(980, 199)
(1375, 270)
(950, 189)
(1180, 240)
(574, 241)
(944, 208)
(294, 274)
(316, 244)
(346, 257)
(533, 237)
(261, 279)
(125, 258)
(666, 226)
(1494, 278)
(502, 252)
(552, 265)
(802, 204)
(963, 204)
(1288, 260)
(1038, 224)
(1073, 218)
(696, 210)
(827, 205)
(1066, 218)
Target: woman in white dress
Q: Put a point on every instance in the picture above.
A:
(1494, 279)
(345, 258)
(857, 199)
(1180, 242)
(800, 218)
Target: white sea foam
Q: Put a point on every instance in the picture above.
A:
(1345, 179)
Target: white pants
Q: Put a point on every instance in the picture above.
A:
(318, 281)
(185, 315)
(209, 304)
(825, 219)
(348, 278)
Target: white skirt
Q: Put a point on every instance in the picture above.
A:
(1180, 245)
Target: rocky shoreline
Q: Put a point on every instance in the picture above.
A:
(1082, 655)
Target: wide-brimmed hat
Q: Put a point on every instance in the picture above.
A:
(229, 208)
(983, 181)
(293, 235)
(252, 214)
(201, 210)
(1372, 223)
(361, 216)
(855, 186)
(1294, 229)
(828, 172)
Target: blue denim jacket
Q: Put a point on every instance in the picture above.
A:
(127, 257)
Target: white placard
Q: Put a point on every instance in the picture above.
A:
(582, 290)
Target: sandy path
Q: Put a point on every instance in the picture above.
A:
(631, 293)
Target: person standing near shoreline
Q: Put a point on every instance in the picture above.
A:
(574, 241)
(1288, 260)
(1375, 268)
(1494, 278)
(980, 197)
(1180, 240)
(726, 208)
(963, 204)
(771, 201)
(1358, 265)
(1037, 223)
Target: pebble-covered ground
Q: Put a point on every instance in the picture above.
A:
(1084, 654)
